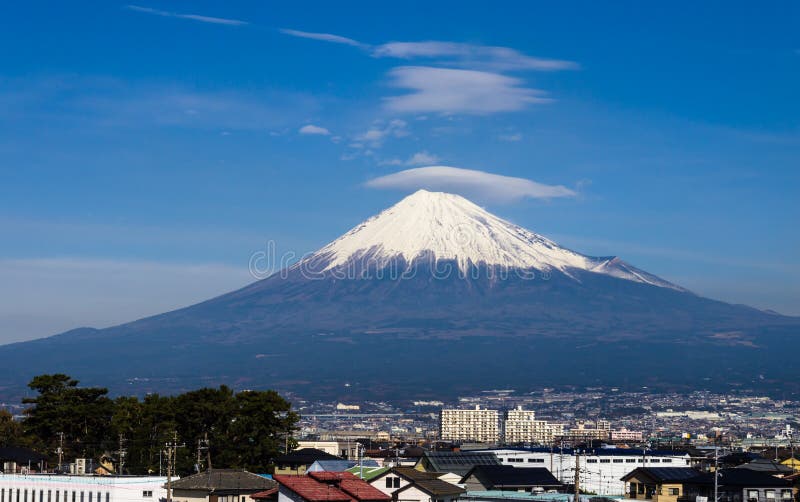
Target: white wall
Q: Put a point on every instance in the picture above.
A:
(598, 473)
(54, 488)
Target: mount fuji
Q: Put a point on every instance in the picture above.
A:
(433, 297)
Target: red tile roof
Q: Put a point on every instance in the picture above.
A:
(361, 490)
(311, 489)
(266, 494)
(331, 476)
(332, 487)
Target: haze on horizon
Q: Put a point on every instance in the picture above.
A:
(149, 149)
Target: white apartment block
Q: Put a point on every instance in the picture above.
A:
(600, 468)
(626, 435)
(521, 426)
(470, 425)
(67, 488)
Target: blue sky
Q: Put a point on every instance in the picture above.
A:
(147, 150)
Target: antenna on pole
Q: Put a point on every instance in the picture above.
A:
(577, 475)
(121, 455)
(172, 448)
(60, 449)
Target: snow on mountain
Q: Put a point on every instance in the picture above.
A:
(449, 227)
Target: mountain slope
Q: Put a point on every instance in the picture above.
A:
(434, 296)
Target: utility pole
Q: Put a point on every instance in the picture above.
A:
(172, 448)
(716, 473)
(577, 475)
(60, 450)
(202, 444)
(121, 455)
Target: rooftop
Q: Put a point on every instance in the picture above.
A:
(220, 480)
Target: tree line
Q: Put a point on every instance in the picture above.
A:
(228, 429)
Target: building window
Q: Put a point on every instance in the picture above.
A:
(388, 482)
(630, 460)
(667, 460)
(655, 460)
(591, 460)
(752, 495)
(397, 482)
(145, 494)
(786, 494)
(770, 494)
(605, 461)
(674, 491)
(617, 460)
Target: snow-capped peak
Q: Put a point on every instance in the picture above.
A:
(450, 227)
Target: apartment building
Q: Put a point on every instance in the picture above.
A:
(521, 426)
(480, 425)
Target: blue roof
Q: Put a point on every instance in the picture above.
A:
(340, 465)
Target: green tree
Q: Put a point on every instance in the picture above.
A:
(83, 415)
(10, 430)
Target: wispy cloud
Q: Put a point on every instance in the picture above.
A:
(492, 58)
(108, 102)
(418, 159)
(510, 137)
(477, 184)
(421, 158)
(487, 57)
(312, 129)
(324, 37)
(379, 132)
(446, 90)
(193, 17)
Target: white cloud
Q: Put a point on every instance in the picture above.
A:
(472, 56)
(377, 134)
(313, 129)
(487, 57)
(325, 37)
(193, 17)
(476, 184)
(421, 158)
(445, 90)
(510, 137)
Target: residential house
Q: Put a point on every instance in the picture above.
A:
(739, 485)
(298, 461)
(327, 487)
(220, 485)
(410, 485)
(659, 484)
(508, 478)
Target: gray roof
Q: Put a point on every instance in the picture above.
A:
(458, 462)
(663, 474)
(224, 480)
(766, 465)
